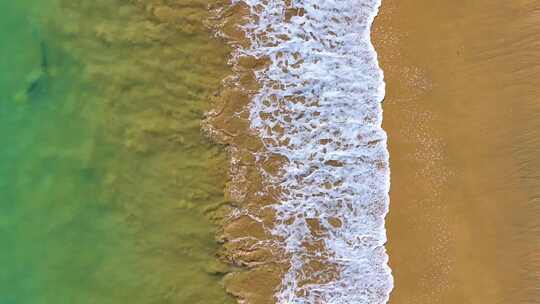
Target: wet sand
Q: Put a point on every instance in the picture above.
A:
(461, 114)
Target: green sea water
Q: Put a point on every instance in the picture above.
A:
(107, 187)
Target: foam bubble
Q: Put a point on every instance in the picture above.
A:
(319, 106)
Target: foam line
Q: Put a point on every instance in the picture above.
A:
(319, 106)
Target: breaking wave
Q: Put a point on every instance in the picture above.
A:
(319, 107)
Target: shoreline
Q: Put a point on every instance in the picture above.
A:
(261, 226)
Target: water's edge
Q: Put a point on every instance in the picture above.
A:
(301, 116)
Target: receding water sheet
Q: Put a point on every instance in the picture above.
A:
(313, 110)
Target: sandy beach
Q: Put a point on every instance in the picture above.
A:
(461, 116)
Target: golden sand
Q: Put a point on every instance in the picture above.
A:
(462, 90)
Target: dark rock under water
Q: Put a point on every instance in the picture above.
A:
(37, 85)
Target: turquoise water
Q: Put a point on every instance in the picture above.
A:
(55, 229)
(99, 201)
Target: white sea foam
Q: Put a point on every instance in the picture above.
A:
(320, 107)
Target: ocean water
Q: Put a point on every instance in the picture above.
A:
(108, 189)
(317, 108)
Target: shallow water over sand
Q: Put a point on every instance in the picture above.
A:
(309, 173)
(108, 189)
(462, 116)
